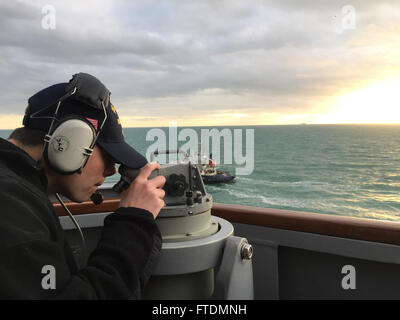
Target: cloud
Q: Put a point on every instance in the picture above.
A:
(166, 56)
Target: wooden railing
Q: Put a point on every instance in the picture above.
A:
(325, 224)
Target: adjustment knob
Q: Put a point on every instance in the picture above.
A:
(176, 185)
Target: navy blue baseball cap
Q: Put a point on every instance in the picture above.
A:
(42, 106)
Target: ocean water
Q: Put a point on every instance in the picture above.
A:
(351, 170)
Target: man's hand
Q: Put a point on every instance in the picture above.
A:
(145, 194)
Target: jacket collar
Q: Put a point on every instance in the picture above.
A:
(22, 164)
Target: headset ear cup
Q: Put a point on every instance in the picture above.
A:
(69, 146)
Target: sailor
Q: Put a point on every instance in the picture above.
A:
(70, 142)
(211, 163)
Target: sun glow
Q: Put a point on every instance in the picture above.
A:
(378, 103)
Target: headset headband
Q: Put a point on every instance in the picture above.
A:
(89, 90)
(86, 89)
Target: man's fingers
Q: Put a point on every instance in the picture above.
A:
(157, 182)
(160, 193)
(148, 169)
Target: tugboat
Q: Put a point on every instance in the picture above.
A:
(211, 175)
(208, 171)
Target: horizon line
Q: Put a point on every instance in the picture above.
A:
(257, 125)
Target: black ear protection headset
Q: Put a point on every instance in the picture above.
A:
(70, 143)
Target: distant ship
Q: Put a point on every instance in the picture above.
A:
(208, 168)
(209, 171)
(211, 175)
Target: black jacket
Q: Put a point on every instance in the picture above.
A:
(31, 238)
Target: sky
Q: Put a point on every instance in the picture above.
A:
(209, 62)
